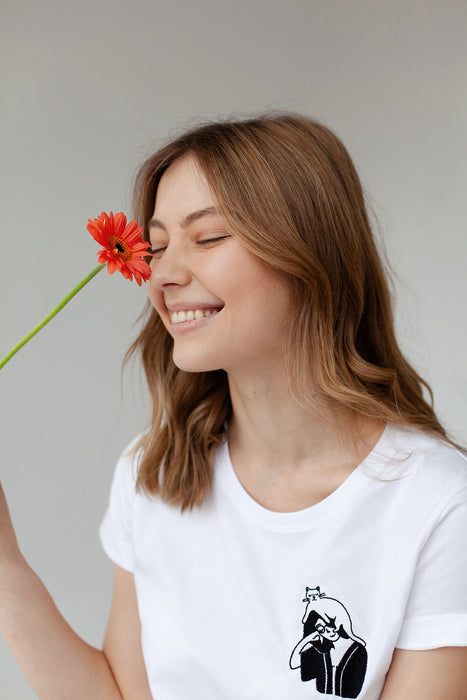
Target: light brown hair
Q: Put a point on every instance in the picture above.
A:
(288, 190)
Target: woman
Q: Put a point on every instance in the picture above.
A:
(290, 445)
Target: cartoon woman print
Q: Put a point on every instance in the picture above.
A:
(329, 651)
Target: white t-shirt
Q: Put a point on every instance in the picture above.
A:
(241, 603)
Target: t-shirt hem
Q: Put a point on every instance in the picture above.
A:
(119, 553)
(433, 632)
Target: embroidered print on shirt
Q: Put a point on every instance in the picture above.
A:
(329, 651)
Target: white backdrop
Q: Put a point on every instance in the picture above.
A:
(90, 88)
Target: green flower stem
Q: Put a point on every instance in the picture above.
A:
(50, 316)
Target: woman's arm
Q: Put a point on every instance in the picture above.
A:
(295, 658)
(122, 644)
(435, 674)
(58, 664)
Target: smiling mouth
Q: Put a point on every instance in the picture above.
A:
(194, 315)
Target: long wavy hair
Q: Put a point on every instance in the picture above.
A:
(288, 190)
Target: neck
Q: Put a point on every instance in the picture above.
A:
(277, 446)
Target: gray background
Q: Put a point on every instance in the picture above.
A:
(90, 88)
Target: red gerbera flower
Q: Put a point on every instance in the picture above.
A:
(123, 245)
(123, 250)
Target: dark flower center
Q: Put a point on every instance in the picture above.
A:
(119, 248)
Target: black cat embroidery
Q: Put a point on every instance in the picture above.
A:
(329, 651)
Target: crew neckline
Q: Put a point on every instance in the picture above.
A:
(228, 480)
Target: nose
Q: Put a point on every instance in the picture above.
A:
(171, 268)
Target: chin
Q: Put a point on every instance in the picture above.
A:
(193, 364)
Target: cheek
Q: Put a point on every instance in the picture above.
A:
(157, 300)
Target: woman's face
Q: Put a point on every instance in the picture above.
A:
(223, 307)
(327, 630)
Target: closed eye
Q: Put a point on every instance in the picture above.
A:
(216, 239)
(157, 252)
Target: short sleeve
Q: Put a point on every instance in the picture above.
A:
(116, 529)
(436, 613)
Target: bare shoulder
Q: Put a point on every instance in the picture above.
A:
(434, 674)
(122, 643)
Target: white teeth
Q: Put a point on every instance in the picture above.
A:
(195, 315)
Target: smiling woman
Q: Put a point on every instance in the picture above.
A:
(292, 466)
(279, 393)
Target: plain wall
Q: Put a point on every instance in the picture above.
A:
(89, 89)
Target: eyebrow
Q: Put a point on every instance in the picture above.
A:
(194, 216)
